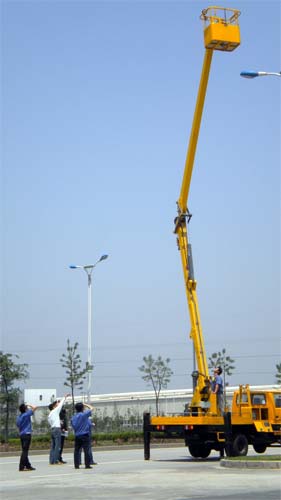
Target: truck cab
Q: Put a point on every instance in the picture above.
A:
(256, 415)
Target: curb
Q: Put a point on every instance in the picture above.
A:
(251, 464)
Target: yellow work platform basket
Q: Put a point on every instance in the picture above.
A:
(221, 31)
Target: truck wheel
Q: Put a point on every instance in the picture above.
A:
(259, 448)
(204, 451)
(240, 445)
(199, 450)
(194, 450)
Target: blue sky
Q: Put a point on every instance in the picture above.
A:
(97, 106)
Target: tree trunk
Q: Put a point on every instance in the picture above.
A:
(157, 405)
(6, 433)
(72, 395)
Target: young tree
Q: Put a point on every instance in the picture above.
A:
(75, 374)
(221, 359)
(156, 373)
(10, 373)
(278, 373)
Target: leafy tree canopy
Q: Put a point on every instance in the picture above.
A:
(221, 359)
(75, 373)
(10, 373)
(156, 372)
(278, 373)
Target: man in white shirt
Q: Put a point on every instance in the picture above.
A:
(54, 421)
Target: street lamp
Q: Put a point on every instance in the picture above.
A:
(89, 269)
(254, 74)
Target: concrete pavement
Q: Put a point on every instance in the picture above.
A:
(171, 474)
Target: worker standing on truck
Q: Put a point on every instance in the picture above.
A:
(218, 388)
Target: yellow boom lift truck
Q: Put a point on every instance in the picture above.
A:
(255, 416)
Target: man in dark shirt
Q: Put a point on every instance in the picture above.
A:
(80, 425)
(25, 429)
(64, 433)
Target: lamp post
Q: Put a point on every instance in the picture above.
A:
(254, 74)
(89, 269)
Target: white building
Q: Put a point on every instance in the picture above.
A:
(171, 401)
(127, 404)
(40, 397)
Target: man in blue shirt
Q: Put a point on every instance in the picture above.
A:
(91, 458)
(218, 388)
(80, 425)
(25, 429)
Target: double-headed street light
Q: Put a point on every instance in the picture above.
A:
(254, 74)
(89, 269)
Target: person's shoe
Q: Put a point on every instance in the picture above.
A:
(24, 469)
(94, 463)
(77, 467)
(62, 462)
(31, 468)
(88, 467)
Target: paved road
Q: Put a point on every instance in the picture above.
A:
(123, 475)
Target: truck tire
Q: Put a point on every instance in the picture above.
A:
(194, 450)
(240, 445)
(259, 448)
(204, 451)
(199, 450)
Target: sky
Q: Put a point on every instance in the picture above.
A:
(97, 105)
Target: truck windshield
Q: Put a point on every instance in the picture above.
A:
(258, 399)
(277, 400)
